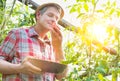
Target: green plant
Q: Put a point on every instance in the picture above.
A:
(90, 51)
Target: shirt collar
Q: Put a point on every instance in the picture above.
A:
(33, 33)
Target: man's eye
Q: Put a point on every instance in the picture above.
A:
(50, 15)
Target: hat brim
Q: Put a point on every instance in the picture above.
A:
(51, 4)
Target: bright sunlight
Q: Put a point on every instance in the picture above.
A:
(98, 32)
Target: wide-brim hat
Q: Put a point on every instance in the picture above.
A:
(50, 4)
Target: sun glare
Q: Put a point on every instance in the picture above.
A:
(99, 32)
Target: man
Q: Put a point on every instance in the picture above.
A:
(25, 43)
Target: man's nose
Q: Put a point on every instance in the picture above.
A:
(54, 21)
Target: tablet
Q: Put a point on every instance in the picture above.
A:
(48, 66)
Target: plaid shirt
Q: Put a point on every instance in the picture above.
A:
(22, 42)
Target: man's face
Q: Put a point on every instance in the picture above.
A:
(50, 16)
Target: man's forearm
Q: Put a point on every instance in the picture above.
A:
(59, 57)
(59, 54)
(8, 68)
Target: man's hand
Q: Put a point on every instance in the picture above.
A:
(57, 42)
(27, 68)
(62, 75)
(56, 36)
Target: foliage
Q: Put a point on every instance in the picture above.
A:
(86, 50)
(21, 16)
(2, 6)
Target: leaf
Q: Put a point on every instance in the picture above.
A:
(100, 10)
(93, 2)
(112, 11)
(114, 3)
(79, 9)
(89, 79)
(77, 0)
(114, 76)
(100, 76)
(86, 7)
(80, 0)
(81, 14)
(101, 70)
(72, 10)
(108, 3)
(118, 12)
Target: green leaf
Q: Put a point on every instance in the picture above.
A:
(77, 0)
(72, 10)
(80, 0)
(114, 76)
(112, 11)
(100, 76)
(86, 7)
(114, 3)
(81, 14)
(108, 3)
(93, 2)
(118, 12)
(89, 79)
(101, 70)
(100, 10)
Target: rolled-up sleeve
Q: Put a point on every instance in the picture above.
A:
(7, 49)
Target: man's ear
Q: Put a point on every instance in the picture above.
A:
(37, 15)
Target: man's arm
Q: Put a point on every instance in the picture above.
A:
(6, 49)
(8, 68)
(25, 67)
(57, 46)
(59, 57)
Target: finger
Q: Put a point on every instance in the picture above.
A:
(56, 32)
(35, 69)
(28, 58)
(55, 26)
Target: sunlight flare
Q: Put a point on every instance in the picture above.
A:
(98, 32)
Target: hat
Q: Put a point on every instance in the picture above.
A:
(51, 4)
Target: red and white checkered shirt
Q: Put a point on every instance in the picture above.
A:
(23, 42)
